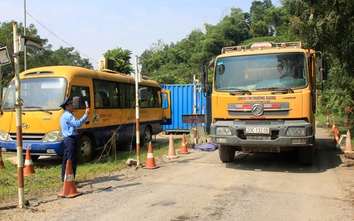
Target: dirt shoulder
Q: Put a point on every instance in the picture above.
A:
(345, 168)
(50, 203)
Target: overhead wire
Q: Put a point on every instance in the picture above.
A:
(60, 38)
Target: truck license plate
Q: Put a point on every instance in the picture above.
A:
(257, 130)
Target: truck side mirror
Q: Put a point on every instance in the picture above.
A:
(322, 69)
(204, 77)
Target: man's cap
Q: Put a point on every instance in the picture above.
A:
(65, 102)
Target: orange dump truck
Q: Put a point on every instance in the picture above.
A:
(263, 98)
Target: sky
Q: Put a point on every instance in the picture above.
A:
(93, 27)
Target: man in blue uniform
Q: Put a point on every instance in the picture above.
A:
(68, 125)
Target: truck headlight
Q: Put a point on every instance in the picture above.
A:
(53, 136)
(296, 131)
(223, 131)
(5, 136)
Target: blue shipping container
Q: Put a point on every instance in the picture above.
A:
(182, 99)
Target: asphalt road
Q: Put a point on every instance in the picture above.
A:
(197, 186)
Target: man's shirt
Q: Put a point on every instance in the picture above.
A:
(68, 123)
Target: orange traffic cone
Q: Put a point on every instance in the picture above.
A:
(333, 126)
(150, 161)
(336, 137)
(183, 149)
(29, 167)
(2, 165)
(171, 149)
(348, 144)
(69, 187)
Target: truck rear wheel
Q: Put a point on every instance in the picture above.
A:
(226, 153)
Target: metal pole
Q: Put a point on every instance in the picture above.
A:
(24, 33)
(194, 95)
(137, 122)
(195, 109)
(21, 200)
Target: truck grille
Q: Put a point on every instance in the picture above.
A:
(259, 137)
(261, 149)
(274, 135)
(283, 109)
(259, 122)
(29, 137)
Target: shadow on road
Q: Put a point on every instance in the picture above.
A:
(326, 157)
(50, 161)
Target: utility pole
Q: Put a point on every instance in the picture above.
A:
(24, 33)
(37, 43)
(137, 121)
(195, 130)
(21, 200)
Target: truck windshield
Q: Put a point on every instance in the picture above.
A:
(262, 72)
(36, 94)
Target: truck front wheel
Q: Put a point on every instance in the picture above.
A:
(226, 153)
(306, 154)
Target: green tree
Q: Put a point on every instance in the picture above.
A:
(258, 24)
(179, 62)
(152, 59)
(277, 20)
(61, 56)
(259, 29)
(121, 60)
(36, 58)
(231, 30)
(327, 25)
(6, 39)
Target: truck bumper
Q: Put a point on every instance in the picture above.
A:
(263, 133)
(37, 148)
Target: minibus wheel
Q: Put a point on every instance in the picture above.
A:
(85, 149)
(147, 136)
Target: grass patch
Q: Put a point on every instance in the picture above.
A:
(48, 178)
(339, 122)
(322, 121)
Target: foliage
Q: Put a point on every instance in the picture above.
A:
(268, 38)
(324, 25)
(36, 58)
(175, 62)
(258, 26)
(121, 60)
(178, 63)
(327, 25)
(6, 39)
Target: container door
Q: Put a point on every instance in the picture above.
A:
(166, 106)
